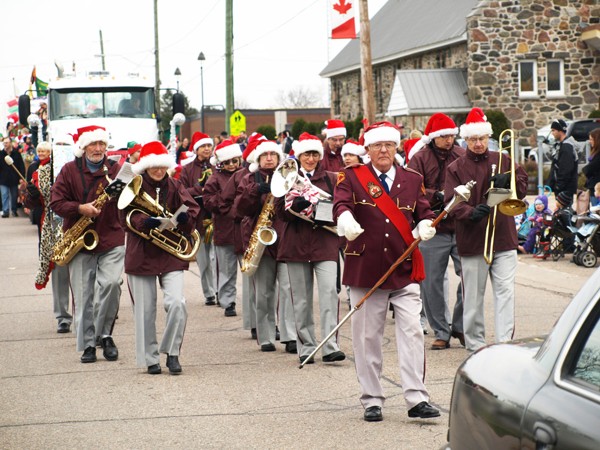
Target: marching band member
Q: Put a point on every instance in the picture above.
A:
(376, 206)
(194, 176)
(310, 251)
(471, 225)
(252, 193)
(430, 156)
(146, 263)
(335, 137)
(227, 159)
(77, 186)
(352, 153)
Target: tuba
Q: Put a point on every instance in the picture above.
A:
(262, 235)
(170, 240)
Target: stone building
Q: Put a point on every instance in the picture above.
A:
(535, 60)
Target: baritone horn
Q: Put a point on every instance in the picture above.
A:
(170, 240)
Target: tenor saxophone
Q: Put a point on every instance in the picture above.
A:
(78, 236)
(262, 235)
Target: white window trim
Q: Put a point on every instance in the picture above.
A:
(534, 93)
(561, 93)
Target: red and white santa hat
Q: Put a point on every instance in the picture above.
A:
(381, 132)
(86, 135)
(263, 147)
(226, 150)
(153, 154)
(186, 157)
(476, 125)
(199, 139)
(354, 148)
(307, 143)
(335, 128)
(409, 144)
(439, 125)
(253, 141)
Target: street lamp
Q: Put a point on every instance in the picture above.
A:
(201, 58)
(177, 75)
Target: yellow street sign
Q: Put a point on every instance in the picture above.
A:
(237, 123)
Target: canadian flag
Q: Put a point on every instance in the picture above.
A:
(342, 19)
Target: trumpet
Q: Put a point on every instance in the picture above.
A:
(287, 177)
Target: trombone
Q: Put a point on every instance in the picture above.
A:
(503, 200)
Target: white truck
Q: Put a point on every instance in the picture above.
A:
(125, 106)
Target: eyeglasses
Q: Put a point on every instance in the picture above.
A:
(378, 146)
(231, 161)
(306, 155)
(475, 139)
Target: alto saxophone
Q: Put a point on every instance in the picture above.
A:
(262, 235)
(78, 236)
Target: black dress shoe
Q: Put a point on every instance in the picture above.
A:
(173, 365)
(373, 414)
(424, 411)
(4, 215)
(109, 348)
(291, 347)
(310, 361)
(253, 333)
(210, 301)
(267, 348)
(89, 355)
(230, 311)
(460, 336)
(63, 328)
(335, 356)
(154, 369)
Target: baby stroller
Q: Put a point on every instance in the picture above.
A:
(587, 240)
(556, 229)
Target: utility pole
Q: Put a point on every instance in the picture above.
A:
(229, 103)
(156, 60)
(366, 71)
(102, 50)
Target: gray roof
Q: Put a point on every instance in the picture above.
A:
(405, 27)
(424, 92)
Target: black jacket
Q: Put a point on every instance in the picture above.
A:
(592, 172)
(8, 176)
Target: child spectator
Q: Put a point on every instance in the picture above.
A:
(595, 200)
(537, 220)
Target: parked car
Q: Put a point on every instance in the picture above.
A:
(536, 393)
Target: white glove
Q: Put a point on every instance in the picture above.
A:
(348, 226)
(424, 230)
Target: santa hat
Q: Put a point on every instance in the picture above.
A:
(186, 157)
(86, 135)
(307, 143)
(199, 139)
(476, 125)
(335, 128)
(439, 125)
(354, 148)
(409, 145)
(133, 147)
(263, 147)
(153, 154)
(254, 139)
(381, 132)
(227, 149)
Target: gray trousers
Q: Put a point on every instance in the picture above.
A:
(285, 309)
(301, 276)
(89, 272)
(367, 338)
(265, 279)
(502, 273)
(60, 294)
(144, 297)
(227, 274)
(436, 252)
(248, 300)
(205, 258)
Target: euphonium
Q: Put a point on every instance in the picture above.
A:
(262, 235)
(170, 240)
(78, 236)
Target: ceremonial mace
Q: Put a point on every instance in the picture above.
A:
(462, 193)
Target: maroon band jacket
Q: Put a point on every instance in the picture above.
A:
(223, 223)
(193, 179)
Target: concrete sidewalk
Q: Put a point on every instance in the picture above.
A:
(230, 394)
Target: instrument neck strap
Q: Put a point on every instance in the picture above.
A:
(388, 207)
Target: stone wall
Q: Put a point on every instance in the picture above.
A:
(503, 33)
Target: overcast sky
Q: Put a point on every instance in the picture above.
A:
(278, 44)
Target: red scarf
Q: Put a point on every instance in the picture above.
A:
(387, 206)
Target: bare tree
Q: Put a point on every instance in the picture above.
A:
(298, 97)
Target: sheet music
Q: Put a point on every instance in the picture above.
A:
(168, 223)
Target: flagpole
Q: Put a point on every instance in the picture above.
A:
(15, 87)
(366, 71)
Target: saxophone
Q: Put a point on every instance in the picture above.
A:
(78, 236)
(262, 235)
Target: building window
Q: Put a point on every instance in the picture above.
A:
(528, 79)
(555, 76)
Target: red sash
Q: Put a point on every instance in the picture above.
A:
(387, 206)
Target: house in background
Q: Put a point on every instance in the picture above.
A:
(535, 60)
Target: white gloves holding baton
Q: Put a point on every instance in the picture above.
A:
(424, 230)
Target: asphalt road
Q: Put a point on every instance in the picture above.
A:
(230, 395)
